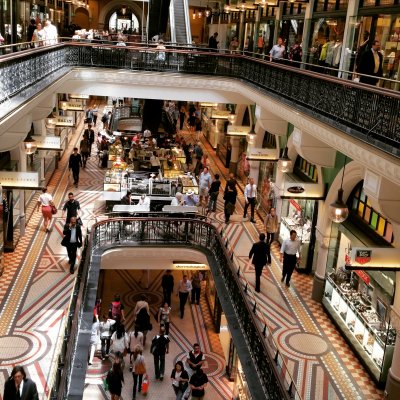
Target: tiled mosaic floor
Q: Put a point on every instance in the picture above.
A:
(36, 285)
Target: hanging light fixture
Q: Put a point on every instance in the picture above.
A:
(199, 14)
(251, 135)
(285, 161)
(29, 144)
(338, 211)
(232, 117)
(194, 14)
(123, 10)
(243, 5)
(207, 12)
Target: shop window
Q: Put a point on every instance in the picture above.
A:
(361, 206)
(306, 168)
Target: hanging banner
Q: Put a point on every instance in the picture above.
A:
(64, 121)
(19, 180)
(48, 142)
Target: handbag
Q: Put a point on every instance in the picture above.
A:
(53, 209)
(140, 369)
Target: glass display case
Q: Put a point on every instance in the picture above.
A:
(188, 182)
(357, 316)
(115, 181)
(171, 168)
(139, 185)
(160, 188)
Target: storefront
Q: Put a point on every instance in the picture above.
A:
(359, 287)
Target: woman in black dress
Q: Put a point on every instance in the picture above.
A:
(230, 200)
(115, 378)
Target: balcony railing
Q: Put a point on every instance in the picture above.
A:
(368, 113)
(267, 374)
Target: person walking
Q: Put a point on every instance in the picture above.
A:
(159, 348)
(119, 340)
(180, 380)
(116, 309)
(46, 201)
(84, 148)
(277, 53)
(205, 181)
(184, 288)
(230, 200)
(271, 226)
(212, 42)
(72, 240)
(167, 281)
(105, 336)
(290, 254)
(213, 193)
(259, 254)
(135, 338)
(72, 207)
(195, 358)
(94, 338)
(18, 386)
(142, 316)
(250, 196)
(163, 316)
(139, 369)
(198, 383)
(197, 277)
(115, 378)
(74, 165)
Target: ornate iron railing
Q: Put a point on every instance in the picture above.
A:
(369, 113)
(267, 376)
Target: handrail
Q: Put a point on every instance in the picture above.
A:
(156, 231)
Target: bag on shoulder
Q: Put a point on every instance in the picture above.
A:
(140, 368)
(154, 346)
(104, 118)
(53, 209)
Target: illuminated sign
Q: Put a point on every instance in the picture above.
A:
(303, 190)
(259, 154)
(64, 121)
(373, 258)
(47, 142)
(79, 96)
(235, 130)
(19, 180)
(184, 265)
(71, 105)
(220, 114)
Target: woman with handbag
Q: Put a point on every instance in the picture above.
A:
(119, 341)
(46, 201)
(135, 339)
(163, 316)
(115, 378)
(139, 369)
(180, 380)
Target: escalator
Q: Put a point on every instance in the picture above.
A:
(180, 22)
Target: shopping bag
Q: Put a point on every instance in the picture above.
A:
(145, 384)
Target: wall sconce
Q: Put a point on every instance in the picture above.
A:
(338, 211)
(29, 144)
(123, 10)
(251, 136)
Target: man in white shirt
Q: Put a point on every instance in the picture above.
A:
(51, 33)
(184, 288)
(290, 254)
(144, 201)
(278, 51)
(155, 162)
(250, 196)
(178, 200)
(204, 184)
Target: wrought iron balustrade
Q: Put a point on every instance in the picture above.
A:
(369, 113)
(262, 370)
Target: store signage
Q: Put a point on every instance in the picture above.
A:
(258, 154)
(364, 276)
(71, 105)
(303, 189)
(79, 96)
(295, 189)
(205, 104)
(189, 266)
(235, 130)
(374, 258)
(220, 114)
(19, 180)
(64, 121)
(47, 142)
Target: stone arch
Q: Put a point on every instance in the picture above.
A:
(113, 6)
(82, 17)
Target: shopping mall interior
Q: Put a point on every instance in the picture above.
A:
(320, 142)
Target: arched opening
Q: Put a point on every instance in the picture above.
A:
(123, 21)
(81, 18)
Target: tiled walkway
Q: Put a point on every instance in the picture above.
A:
(36, 286)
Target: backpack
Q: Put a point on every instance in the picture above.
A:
(116, 309)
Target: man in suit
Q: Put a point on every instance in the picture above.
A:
(371, 64)
(19, 387)
(72, 240)
(260, 253)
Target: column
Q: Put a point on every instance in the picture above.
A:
(307, 34)
(241, 37)
(278, 20)
(22, 217)
(256, 28)
(39, 128)
(234, 154)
